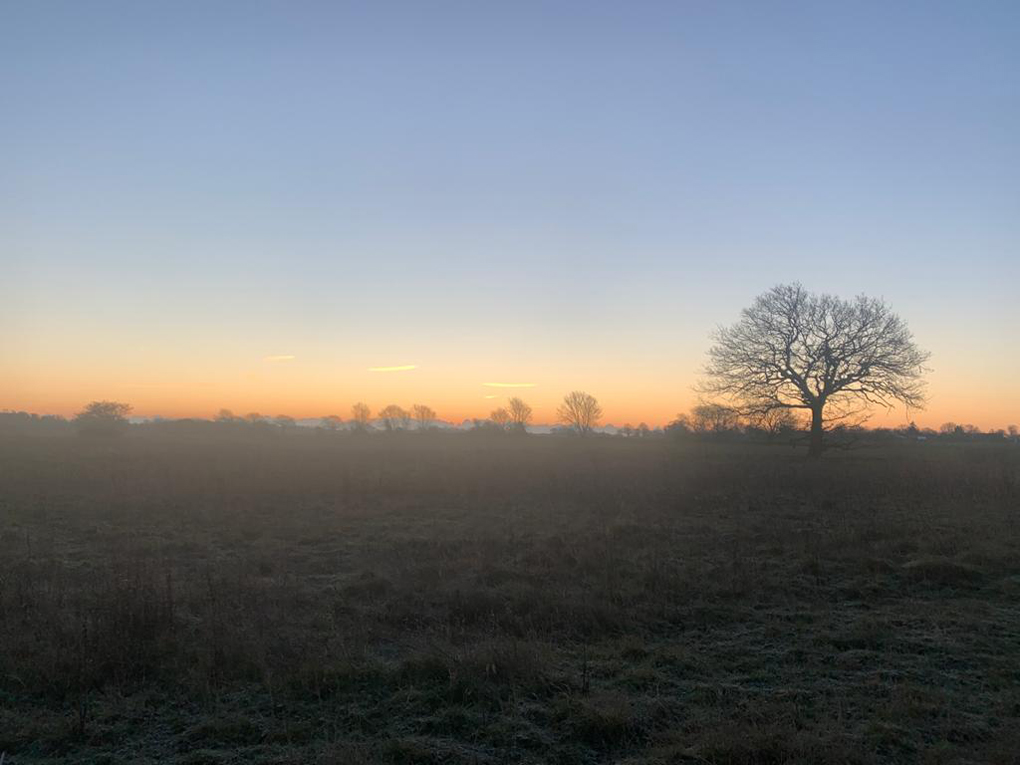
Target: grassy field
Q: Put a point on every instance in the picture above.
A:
(208, 597)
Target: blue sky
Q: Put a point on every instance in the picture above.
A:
(528, 189)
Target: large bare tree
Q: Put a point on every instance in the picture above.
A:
(103, 418)
(581, 411)
(835, 358)
(423, 415)
(500, 417)
(714, 418)
(360, 416)
(520, 414)
(395, 417)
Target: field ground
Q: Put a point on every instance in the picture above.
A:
(203, 598)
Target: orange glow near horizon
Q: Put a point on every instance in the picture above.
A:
(303, 393)
(60, 361)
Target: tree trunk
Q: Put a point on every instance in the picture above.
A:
(815, 445)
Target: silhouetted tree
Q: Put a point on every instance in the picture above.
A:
(774, 422)
(519, 414)
(580, 411)
(1013, 431)
(500, 417)
(360, 415)
(284, 422)
(103, 418)
(423, 415)
(226, 416)
(714, 418)
(832, 357)
(680, 427)
(394, 417)
(331, 422)
(683, 421)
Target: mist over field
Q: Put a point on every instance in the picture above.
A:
(219, 592)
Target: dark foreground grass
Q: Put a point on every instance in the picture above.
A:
(170, 598)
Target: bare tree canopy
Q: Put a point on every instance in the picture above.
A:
(331, 422)
(520, 414)
(395, 417)
(226, 415)
(360, 415)
(836, 358)
(775, 421)
(581, 411)
(500, 417)
(714, 418)
(109, 410)
(103, 418)
(423, 415)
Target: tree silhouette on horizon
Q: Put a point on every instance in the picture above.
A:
(835, 358)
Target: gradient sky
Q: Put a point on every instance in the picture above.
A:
(565, 194)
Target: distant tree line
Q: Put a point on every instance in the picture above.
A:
(705, 421)
(795, 363)
(720, 421)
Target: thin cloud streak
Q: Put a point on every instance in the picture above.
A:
(405, 368)
(509, 385)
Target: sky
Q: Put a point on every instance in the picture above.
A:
(251, 204)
